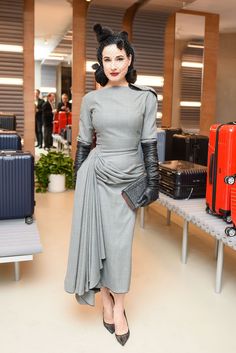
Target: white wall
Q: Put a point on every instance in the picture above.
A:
(37, 74)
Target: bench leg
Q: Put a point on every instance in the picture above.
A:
(185, 242)
(168, 216)
(219, 266)
(17, 271)
(216, 248)
(142, 215)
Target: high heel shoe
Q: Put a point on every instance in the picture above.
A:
(122, 339)
(110, 327)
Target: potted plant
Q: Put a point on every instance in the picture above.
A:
(54, 172)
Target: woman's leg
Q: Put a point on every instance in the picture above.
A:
(107, 305)
(121, 324)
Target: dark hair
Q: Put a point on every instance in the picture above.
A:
(105, 37)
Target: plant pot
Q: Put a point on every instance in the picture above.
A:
(56, 183)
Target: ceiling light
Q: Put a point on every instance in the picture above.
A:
(190, 104)
(154, 81)
(192, 64)
(11, 81)
(11, 48)
(193, 45)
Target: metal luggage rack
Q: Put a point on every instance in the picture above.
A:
(193, 211)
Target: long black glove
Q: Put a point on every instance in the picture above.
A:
(82, 152)
(150, 158)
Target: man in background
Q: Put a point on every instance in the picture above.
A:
(48, 111)
(64, 105)
(38, 118)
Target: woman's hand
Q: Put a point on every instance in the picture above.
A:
(149, 195)
(150, 158)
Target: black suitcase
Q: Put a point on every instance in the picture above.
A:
(7, 121)
(182, 179)
(192, 148)
(10, 140)
(169, 139)
(17, 185)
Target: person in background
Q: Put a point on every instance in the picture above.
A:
(38, 118)
(64, 105)
(48, 111)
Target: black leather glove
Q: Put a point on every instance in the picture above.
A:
(82, 152)
(150, 158)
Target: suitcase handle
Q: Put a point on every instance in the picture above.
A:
(211, 168)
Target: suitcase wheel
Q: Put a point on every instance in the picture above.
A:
(230, 231)
(29, 220)
(227, 219)
(209, 211)
(229, 180)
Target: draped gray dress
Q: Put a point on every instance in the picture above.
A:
(103, 225)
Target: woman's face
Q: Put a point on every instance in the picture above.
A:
(115, 63)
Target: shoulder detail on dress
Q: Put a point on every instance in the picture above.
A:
(142, 88)
(88, 97)
(89, 94)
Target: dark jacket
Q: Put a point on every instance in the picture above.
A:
(47, 114)
(39, 112)
(61, 104)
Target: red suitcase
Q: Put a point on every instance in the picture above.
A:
(221, 163)
(55, 123)
(231, 180)
(63, 120)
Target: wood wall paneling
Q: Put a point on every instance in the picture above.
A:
(169, 53)
(29, 109)
(129, 15)
(208, 107)
(12, 64)
(79, 64)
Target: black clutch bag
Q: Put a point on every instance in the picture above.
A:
(134, 191)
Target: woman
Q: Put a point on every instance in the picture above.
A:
(123, 116)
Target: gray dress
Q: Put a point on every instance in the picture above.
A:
(103, 225)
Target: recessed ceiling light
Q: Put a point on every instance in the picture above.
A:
(11, 81)
(192, 64)
(11, 48)
(190, 104)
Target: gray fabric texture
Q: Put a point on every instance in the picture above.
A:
(100, 250)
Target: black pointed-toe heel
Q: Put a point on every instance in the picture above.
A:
(122, 339)
(110, 327)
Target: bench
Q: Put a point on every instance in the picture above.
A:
(193, 211)
(18, 242)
